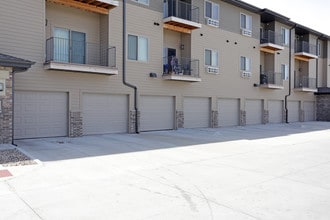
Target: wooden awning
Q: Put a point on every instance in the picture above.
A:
(97, 6)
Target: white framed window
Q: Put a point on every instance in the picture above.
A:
(246, 21)
(211, 58)
(318, 49)
(285, 71)
(245, 64)
(137, 48)
(145, 2)
(212, 10)
(285, 36)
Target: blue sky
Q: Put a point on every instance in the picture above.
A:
(314, 14)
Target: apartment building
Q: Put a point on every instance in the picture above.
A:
(188, 64)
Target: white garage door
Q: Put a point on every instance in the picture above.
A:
(196, 112)
(293, 108)
(105, 113)
(228, 112)
(275, 108)
(40, 114)
(309, 111)
(157, 113)
(253, 110)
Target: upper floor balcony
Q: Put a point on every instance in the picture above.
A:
(271, 41)
(271, 80)
(180, 16)
(181, 69)
(305, 84)
(305, 51)
(97, 6)
(80, 56)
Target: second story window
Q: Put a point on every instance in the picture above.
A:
(245, 64)
(318, 49)
(145, 2)
(285, 71)
(211, 58)
(137, 48)
(246, 22)
(212, 13)
(285, 36)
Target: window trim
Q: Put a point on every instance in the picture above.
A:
(137, 49)
(284, 38)
(318, 47)
(139, 1)
(212, 3)
(285, 74)
(246, 16)
(246, 59)
(212, 51)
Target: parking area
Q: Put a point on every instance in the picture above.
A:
(278, 171)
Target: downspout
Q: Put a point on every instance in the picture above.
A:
(124, 69)
(13, 104)
(290, 64)
(317, 61)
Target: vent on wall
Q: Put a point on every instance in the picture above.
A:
(212, 22)
(245, 74)
(213, 70)
(246, 32)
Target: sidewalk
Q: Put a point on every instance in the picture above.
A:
(254, 172)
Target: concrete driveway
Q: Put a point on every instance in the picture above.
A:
(275, 172)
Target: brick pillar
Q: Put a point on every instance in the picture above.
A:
(242, 118)
(179, 119)
(214, 119)
(323, 107)
(301, 115)
(265, 118)
(132, 121)
(76, 124)
(6, 107)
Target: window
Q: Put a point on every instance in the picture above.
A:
(245, 64)
(212, 10)
(318, 49)
(145, 2)
(285, 36)
(246, 22)
(69, 46)
(211, 58)
(137, 48)
(285, 71)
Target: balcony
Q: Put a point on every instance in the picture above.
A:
(181, 16)
(97, 6)
(181, 69)
(271, 80)
(271, 41)
(80, 56)
(305, 84)
(305, 51)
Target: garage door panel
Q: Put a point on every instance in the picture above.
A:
(157, 113)
(40, 114)
(275, 108)
(196, 112)
(253, 110)
(309, 111)
(105, 113)
(293, 108)
(228, 112)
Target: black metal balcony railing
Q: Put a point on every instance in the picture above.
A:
(181, 10)
(271, 78)
(303, 46)
(180, 66)
(271, 37)
(80, 52)
(305, 82)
